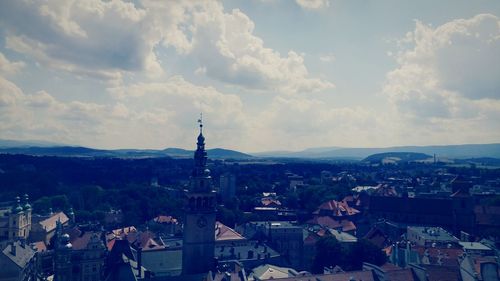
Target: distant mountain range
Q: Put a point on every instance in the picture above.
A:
(442, 151)
(37, 148)
(464, 151)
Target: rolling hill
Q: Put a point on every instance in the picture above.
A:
(463, 151)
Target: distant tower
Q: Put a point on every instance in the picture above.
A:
(19, 220)
(27, 214)
(227, 187)
(199, 224)
(62, 255)
(71, 215)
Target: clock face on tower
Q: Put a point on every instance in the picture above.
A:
(201, 222)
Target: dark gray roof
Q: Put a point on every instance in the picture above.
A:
(23, 253)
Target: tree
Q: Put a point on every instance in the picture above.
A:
(328, 253)
(360, 252)
(350, 256)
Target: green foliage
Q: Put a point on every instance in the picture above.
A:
(310, 197)
(328, 252)
(493, 201)
(42, 205)
(349, 256)
(57, 203)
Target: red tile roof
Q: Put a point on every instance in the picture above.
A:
(336, 208)
(124, 230)
(449, 255)
(50, 223)
(40, 246)
(270, 202)
(81, 242)
(344, 225)
(225, 233)
(165, 219)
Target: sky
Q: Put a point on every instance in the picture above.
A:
(266, 74)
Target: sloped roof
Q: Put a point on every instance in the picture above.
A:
(23, 253)
(442, 273)
(337, 208)
(40, 246)
(344, 225)
(401, 275)
(50, 223)
(377, 237)
(270, 202)
(165, 219)
(269, 271)
(124, 230)
(224, 233)
(365, 275)
(81, 242)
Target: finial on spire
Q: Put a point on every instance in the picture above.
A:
(201, 122)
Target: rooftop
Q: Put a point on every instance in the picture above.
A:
(23, 253)
(269, 271)
(432, 233)
(474, 246)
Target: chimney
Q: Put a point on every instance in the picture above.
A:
(13, 248)
(139, 262)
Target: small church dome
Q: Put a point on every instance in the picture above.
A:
(27, 205)
(17, 209)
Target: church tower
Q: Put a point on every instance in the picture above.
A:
(62, 255)
(199, 224)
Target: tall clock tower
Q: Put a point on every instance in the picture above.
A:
(199, 224)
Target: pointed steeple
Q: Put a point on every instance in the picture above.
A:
(200, 157)
(201, 138)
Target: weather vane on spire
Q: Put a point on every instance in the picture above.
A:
(201, 121)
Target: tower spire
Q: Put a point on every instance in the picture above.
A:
(200, 121)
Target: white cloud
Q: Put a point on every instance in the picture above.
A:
(327, 58)
(227, 50)
(144, 115)
(93, 38)
(446, 83)
(107, 39)
(313, 4)
(9, 68)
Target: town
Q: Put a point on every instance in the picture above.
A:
(245, 220)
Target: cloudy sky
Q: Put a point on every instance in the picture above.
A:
(267, 74)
